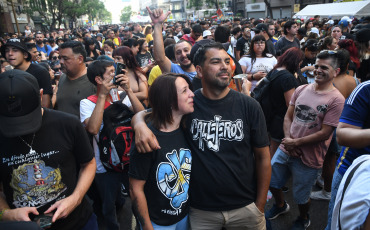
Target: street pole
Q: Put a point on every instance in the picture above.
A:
(15, 17)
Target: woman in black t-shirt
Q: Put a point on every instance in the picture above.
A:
(160, 180)
(143, 57)
(282, 89)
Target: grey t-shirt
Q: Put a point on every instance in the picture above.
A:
(281, 45)
(71, 92)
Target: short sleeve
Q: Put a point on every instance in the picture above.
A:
(334, 110)
(86, 109)
(154, 73)
(357, 107)
(140, 164)
(239, 45)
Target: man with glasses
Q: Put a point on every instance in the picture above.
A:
(312, 115)
(289, 40)
(243, 43)
(263, 29)
(17, 54)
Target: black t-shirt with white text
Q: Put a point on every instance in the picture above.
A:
(48, 172)
(222, 134)
(167, 175)
(243, 45)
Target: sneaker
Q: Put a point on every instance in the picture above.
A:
(276, 211)
(320, 195)
(300, 223)
(320, 182)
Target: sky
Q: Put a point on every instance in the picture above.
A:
(115, 7)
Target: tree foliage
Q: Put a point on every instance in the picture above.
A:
(198, 4)
(55, 11)
(126, 14)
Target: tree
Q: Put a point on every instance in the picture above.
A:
(197, 4)
(126, 14)
(269, 9)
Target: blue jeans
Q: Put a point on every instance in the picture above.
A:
(304, 177)
(109, 188)
(92, 223)
(337, 178)
(181, 225)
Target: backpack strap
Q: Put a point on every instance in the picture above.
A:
(348, 180)
(94, 99)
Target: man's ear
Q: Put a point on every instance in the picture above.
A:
(337, 71)
(198, 68)
(98, 80)
(81, 59)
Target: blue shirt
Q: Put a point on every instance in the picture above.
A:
(42, 49)
(356, 112)
(177, 69)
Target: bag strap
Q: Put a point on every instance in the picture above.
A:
(94, 99)
(348, 180)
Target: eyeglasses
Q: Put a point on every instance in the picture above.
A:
(55, 57)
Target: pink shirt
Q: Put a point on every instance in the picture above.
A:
(312, 109)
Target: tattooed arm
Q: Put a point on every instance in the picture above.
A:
(139, 204)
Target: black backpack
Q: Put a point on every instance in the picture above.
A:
(262, 94)
(116, 136)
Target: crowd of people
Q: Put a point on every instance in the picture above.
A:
(204, 155)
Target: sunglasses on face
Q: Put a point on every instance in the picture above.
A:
(55, 57)
(57, 69)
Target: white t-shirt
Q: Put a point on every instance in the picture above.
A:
(265, 64)
(86, 109)
(356, 200)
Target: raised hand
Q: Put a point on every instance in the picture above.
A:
(157, 15)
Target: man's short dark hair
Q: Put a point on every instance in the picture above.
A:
(186, 30)
(329, 54)
(197, 29)
(97, 68)
(236, 30)
(288, 25)
(28, 39)
(200, 55)
(77, 48)
(30, 46)
(222, 34)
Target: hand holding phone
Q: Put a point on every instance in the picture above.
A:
(119, 68)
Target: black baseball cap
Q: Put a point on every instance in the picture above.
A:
(260, 27)
(16, 42)
(20, 104)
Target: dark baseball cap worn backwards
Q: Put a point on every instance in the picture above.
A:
(20, 104)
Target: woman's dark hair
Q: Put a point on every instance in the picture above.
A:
(170, 52)
(44, 65)
(327, 41)
(163, 98)
(252, 53)
(109, 43)
(290, 59)
(88, 42)
(311, 45)
(349, 45)
(131, 42)
(343, 58)
(140, 42)
(148, 30)
(307, 22)
(52, 53)
(97, 68)
(129, 60)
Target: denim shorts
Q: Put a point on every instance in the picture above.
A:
(304, 177)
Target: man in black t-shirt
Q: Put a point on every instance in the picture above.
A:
(19, 57)
(243, 43)
(47, 161)
(227, 134)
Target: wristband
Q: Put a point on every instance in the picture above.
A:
(2, 213)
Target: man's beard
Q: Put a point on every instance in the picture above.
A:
(38, 42)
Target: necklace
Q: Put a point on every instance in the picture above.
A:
(29, 145)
